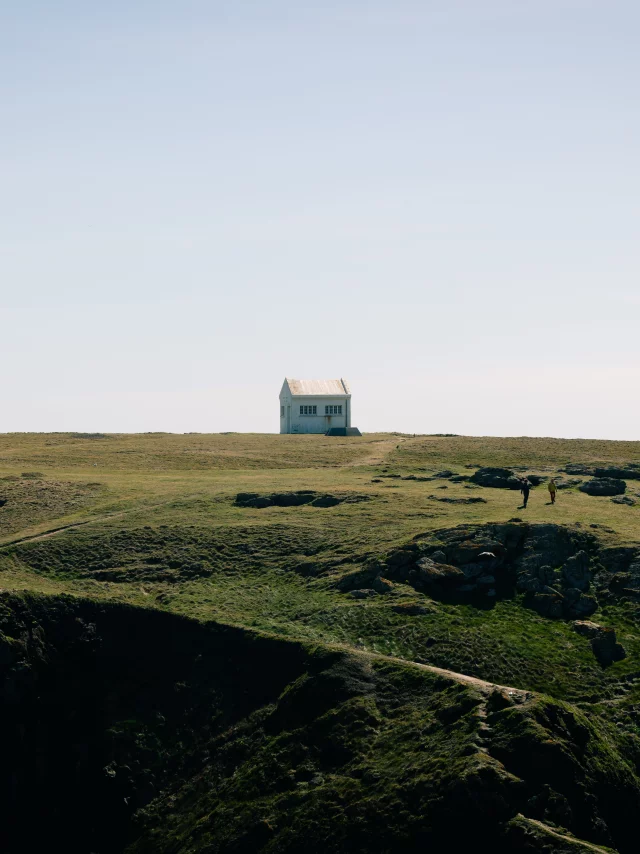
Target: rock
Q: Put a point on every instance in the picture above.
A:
(549, 563)
(630, 472)
(252, 499)
(363, 594)
(444, 474)
(292, 499)
(578, 604)
(325, 501)
(537, 579)
(441, 575)
(603, 486)
(412, 610)
(537, 479)
(3, 501)
(459, 478)
(586, 628)
(579, 468)
(296, 499)
(545, 546)
(545, 604)
(619, 558)
(624, 499)
(474, 499)
(496, 478)
(575, 572)
(568, 484)
(607, 650)
(603, 641)
(382, 585)
(634, 572)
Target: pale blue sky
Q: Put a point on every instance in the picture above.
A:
(436, 200)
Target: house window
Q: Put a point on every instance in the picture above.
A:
(282, 412)
(333, 410)
(308, 410)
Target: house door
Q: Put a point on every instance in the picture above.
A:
(289, 418)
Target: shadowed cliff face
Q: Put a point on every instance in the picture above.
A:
(133, 729)
(105, 706)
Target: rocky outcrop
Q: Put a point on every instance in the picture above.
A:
(575, 571)
(628, 472)
(474, 499)
(497, 478)
(537, 479)
(549, 564)
(603, 641)
(569, 483)
(603, 486)
(579, 468)
(296, 499)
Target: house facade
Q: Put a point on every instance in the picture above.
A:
(314, 406)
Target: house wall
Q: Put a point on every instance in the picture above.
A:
(286, 412)
(319, 423)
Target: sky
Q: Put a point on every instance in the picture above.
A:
(438, 201)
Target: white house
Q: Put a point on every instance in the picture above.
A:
(316, 406)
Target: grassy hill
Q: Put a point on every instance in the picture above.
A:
(367, 640)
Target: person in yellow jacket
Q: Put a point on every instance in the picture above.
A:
(552, 490)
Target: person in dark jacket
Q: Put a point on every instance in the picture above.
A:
(525, 487)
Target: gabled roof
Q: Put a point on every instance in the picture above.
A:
(330, 388)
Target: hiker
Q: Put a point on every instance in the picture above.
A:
(552, 490)
(525, 486)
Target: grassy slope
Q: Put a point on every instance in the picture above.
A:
(163, 530)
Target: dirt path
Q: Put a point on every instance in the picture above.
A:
(481, 685)
(43, 535)
(572, 841)
(383, 447)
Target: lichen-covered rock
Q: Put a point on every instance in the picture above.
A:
(497, 478)
(569, 483)
(575, 572)
(431, 574)
(296, 499)
(603, 641)
(603, 486)
(578, 604)
(547, 604)
(366, 593)
(579, 468)
(628, 472)
(624, 499)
